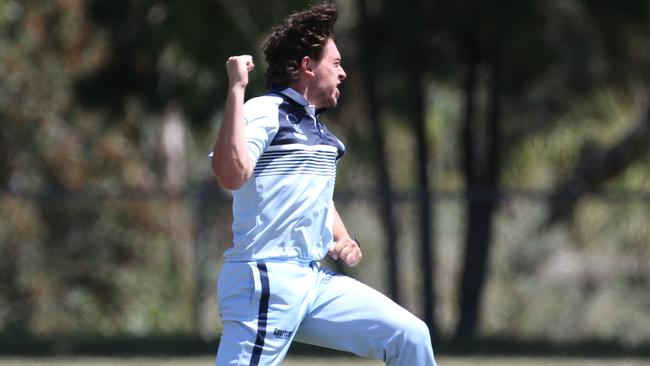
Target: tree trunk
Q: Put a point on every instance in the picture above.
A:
(173, 136)
(483, 197)
(467, 303)
(384, 190)
(415, 74)
(424, 199)
(481, 167)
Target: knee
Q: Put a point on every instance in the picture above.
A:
(409, 332)
(410, 345)
(416, 333)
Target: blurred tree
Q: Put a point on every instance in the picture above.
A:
(505, 52)
(417, 77)
(622, 31)
(65, 276)
(164, 51)
(596, 166)
(369, 44)
(100, 102)
(404, 70)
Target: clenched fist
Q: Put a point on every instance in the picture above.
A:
(238, 68)
(346, 250)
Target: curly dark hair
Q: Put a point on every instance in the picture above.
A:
(302, 34)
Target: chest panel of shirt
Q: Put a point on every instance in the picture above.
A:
(301, 146)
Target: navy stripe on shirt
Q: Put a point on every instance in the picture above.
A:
(288, 162)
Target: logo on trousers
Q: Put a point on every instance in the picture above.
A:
(282, 334)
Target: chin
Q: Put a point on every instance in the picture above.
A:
(333, 102)
(327, 101)
(327, 105)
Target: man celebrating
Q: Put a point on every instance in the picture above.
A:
(279, 160)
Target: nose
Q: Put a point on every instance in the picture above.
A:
(342, 75)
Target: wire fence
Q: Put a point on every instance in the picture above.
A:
(132, 262)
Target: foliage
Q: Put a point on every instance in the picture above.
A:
(95, 238)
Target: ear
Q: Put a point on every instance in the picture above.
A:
(306, 66)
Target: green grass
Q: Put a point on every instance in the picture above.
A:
(320, 361)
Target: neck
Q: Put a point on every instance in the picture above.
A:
(303, 89)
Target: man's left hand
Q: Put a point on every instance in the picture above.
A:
(346, 250)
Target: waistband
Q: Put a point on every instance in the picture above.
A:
(294, 261)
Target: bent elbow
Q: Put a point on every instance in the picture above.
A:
(230, 182)
(228, 177)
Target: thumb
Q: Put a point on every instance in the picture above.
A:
(332, 252)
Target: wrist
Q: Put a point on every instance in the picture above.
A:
(350, 237)
(238, 87)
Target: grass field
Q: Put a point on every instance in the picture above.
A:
(322, 361)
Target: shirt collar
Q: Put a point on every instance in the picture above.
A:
(291, 94)
(295, 97)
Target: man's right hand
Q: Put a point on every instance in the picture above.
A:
(238, 68)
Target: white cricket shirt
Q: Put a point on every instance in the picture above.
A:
(285, 210)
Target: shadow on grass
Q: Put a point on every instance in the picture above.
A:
(21, 344)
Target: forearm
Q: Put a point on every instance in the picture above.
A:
(339, 230)
(344, 247)
(231, 162)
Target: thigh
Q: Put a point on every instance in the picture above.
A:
(238, 298)
(260, 306)
(350, 316)
(238, 291)
(236, 344)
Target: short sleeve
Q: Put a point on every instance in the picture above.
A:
(260, 125)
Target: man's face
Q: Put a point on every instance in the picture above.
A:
(328, 74)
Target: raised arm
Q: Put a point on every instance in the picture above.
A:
(231, 162)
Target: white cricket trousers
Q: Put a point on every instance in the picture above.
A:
(264, 306)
